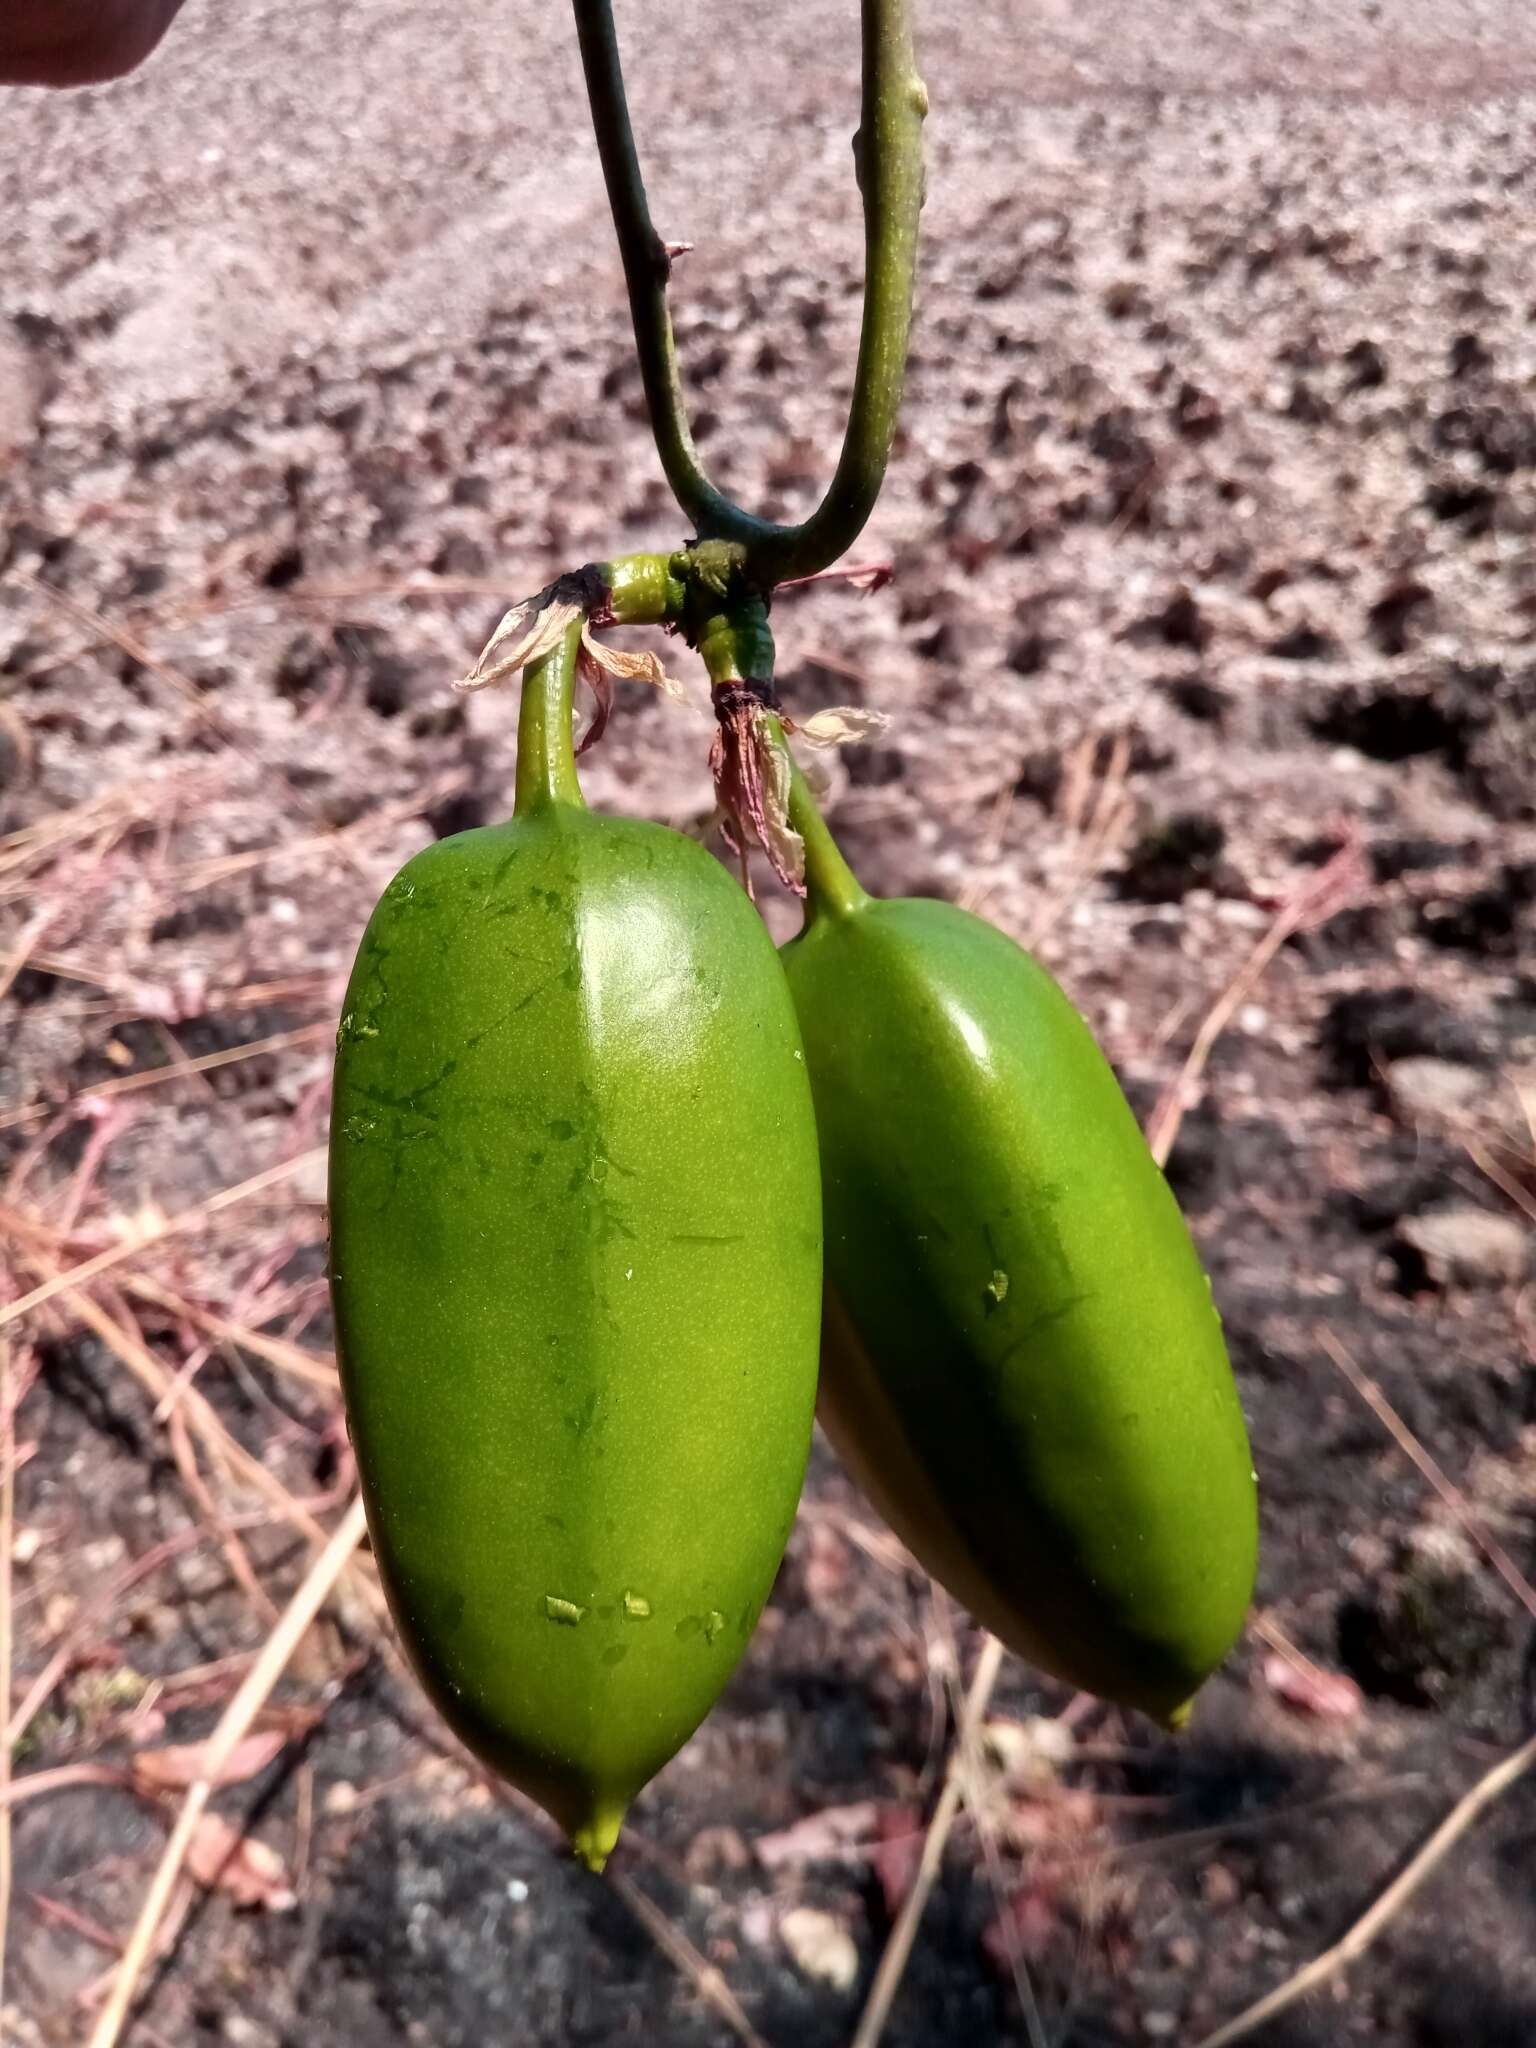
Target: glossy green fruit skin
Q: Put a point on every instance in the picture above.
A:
(575, 1263)
(1022, 1365)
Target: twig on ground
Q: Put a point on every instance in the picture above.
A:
(390, 588)
(835, 664)
(1397, 1894)
(22, 742)
(975, 895)
(247, 1302)
(233, 1724)
(303, 1825)
(899, 1947)
(143, 999)
(684, 1957)
(865, 577)
(81, 967)
(200, 1683)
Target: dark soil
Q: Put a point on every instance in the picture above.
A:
(1212, 527)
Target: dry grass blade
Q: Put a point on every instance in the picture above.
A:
(836, 665)
(1270, 1632)
(23, 744)
(392, 589)
(41, 1688)
(81, 968)
(174, 1226)
(288, 1358)
(1504, 1181)
(230, 1454)
(233, 1725)
(177, 1070)
(684, 1957)
(1335, 883)
(899, 1947)
(1150, 1848)
(234, 1550)
(65, 1778)
(975, 1765)
(1525, 1095)
(23, 951)
(975, 895)
(7, 1527)
(1397, 1894)
(1449, 1492)
(146, 1000)
(77, 1922)
(202, 874)
(103, 630)
(196, 700)
(1096, 809)
(116, 807)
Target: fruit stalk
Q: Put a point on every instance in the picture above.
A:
(546, 764)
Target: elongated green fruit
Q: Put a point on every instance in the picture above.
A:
(575, 1261)
(1021, 1363)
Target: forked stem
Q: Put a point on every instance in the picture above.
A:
(888, 152)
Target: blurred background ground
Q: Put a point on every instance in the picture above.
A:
(1212, 526)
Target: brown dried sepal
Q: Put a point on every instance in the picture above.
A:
(751, 768)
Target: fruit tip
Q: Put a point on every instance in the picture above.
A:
(1177, 1721)
(594, 1841)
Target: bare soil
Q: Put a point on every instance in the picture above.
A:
(1212, 528)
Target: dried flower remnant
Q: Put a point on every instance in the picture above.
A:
(534, 628)
(752, 778)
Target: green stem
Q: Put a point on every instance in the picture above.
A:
(831, 887)
(735, 643)
(546, 755)
(888, 151)
(642, 590)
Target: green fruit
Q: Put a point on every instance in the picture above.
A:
(1021, 1362)
(575, 1262)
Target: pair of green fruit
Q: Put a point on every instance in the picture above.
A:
(589, 1134)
